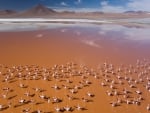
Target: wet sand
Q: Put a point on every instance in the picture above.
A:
(91, 59)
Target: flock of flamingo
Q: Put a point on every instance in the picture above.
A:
(127, 84)
(28, 87)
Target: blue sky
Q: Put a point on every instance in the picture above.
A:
(80, 5)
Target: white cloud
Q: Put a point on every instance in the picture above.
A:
(63, 4)
(143, 5)
(76, 9)
(106, 7)
(78, 2)
(109, 8)
(135, 5)
(104, 3)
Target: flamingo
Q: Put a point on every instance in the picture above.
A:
(109, 93)
(4, 95)
(37, 111)
(67, 108)
(119, 77)
(42, 96)
(88, 82)
(140, 98)
(56, 87)
(22, 85)
(69, 81)
(56, 100)
(125, 91)
(90, 94)
(148, 107)
(121, 82)
(112, 87)
(132, 86)
(77, 87)
(85, 99)
(116, 92)
(78, 107)
(22, 101)
(6, 89)
(128, 101)
(119, 100)
(37, 89)
(73, 91)
(70, 97)
(58, 109)
(137, 102)
(26, 110)
(138, 92)
(1, 106)
(103, 84)
(114, 104)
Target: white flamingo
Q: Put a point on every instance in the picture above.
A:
(67, 108)
(78, 107)
(148, 107)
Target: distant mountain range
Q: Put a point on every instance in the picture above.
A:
(7, 12)
(136, 12)
(38, 10)
(42, 11)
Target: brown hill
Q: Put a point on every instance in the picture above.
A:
(38, 10)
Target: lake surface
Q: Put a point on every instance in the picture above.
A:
(38, 46)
